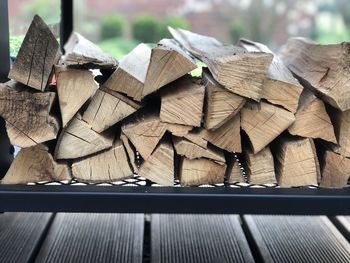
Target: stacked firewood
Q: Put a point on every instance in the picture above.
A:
(86, 116)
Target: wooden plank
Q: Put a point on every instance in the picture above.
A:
(35, 164)
(38, 53)
(74, 88)
(323, 68)
(239, 71)
(27, 114)
(264, 122)
(336, 170)
(182, 103)
(234, 173)
(81, 52)
(198, 238)
(280, 86)
(221, 105)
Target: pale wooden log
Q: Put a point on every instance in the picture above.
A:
(79, 140)
(109, 166)
(296, 162)
(145, 133)
(221, 105)
(280, 87)
(197, 138)
(234, 173)
(36, 57)
(182, 103)
(130, 76)
(201, 171)
(168, 63)
(191, 150)
(159, 167)
(35, 164)
(226, 137)
(130, 152)
(74, 88)
(27, 114)
(312, 120)
(336, 170)
(178, 129)
(239, 71)
(324, 68)
(83, 53)
(263, 122)
(259, 167)
(107, 108)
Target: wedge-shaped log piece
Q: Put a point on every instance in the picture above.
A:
(239, 71)
(130, 76)
(79, 140)
(227, 137)
(201, 171)
(324, 68)
(312, 120)
(296, 162)
(234, 173)
(35, 164)
(130, 152)
(259, 167)
(280, 86)
(145, 133)
(159, 167)
(263, 122)
(178, 129)
(109, 166)
(182, 103)
(168, 63)
(336, 170)
(107, 108)
(191, 150)
(81, 52)
(221, 105)
(27, 114)
(74, 88)
(36, 57)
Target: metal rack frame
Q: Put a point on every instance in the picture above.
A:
(150, 199)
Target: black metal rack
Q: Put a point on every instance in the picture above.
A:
(153, 199)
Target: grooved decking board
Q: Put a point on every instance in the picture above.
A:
(343, 222)
(20, 234)
(298, 239)
(198, 238)
(94, 238)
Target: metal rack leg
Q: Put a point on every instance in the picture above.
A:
(66, 21)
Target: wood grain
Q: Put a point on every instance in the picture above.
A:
(234, 173)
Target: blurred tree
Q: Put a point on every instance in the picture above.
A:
(172, 21)
(47, 10)
(112, 26)
(145, 28)
(237, 30)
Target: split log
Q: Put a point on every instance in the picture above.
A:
(296, 162)
(109, 166)
(107, 108)
(323, 68)
(240, 72)
(280, 87)
(197, 138)
(36, 57)
(312, 120)
(182, 103)
(336, 171)
(168, 63)
(191, 151)
(80, 52)
(35, 164)
(260, 167)
(221, 105)
(264, 122)
(201, 171)
(130, 152)
(178, 129)
(27, 114)
(234, 173)
(79, 140)
(159, 167)
(130, 76)
(74, 88)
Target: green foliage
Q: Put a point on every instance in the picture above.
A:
(145, 28)
(236, 30)
(112, 26)
(117, 47)
(47, 10)
(172, 21)
(15, 45)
